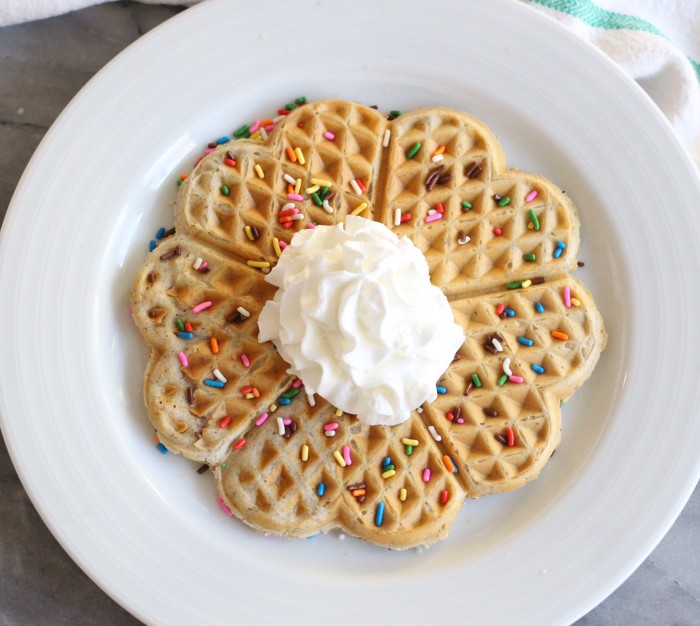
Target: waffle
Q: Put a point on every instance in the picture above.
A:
(502, 249)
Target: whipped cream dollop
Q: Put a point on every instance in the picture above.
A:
(356, 317)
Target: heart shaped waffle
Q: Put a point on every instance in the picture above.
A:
(500, 243)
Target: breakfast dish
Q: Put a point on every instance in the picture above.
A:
(500, 244)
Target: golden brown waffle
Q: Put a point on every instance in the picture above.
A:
(486, 432)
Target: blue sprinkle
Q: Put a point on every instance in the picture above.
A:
(387, 461)
(441, 389)
(284, 401)
(557, 252)
(152, 245)
(509, 312)
(538, 368)
(160, 233)
(454, 465)
(539, 307)
(214, 383)
(162, 448)
(224, 139)
(321, 489)
(525, 341)
(379, 517)
(561, 244)
(185, 335)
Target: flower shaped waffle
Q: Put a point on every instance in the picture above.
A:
(500, 243)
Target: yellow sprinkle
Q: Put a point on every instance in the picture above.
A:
(388, 473)
(259, 171)
(338, 412)
(312, 189)
(300, 156)
(304, 453)
(276, 246)
(526, 283)
(273, 408)
(297, 186)
(575, 302)
(340, 459)
(530, 225)
(260, 264)
(256, 135)
(360, 208)
(320, 182)
(249, 233)
(249, 396)
(409, 442)
(402, 495)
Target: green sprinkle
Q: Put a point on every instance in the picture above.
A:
(290, 106)
(324, 192)
(516, 285)
(409, 450)
(300, 100)
(180, 325)
(225, 190)
(291, 393)
(223, 466)
(502, 380)
(386, 468)
(504, 201)
(535, 221)
(395, 113)
(476, 380)
(530, 257)
(467, 205)
(414, 150)
(317, 199)
(243, 130)
(179, 182)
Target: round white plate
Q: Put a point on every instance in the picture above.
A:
(146, 526)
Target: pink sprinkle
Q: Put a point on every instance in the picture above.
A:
(426, 474)
(224, 506)
(203, 266)
(283, 244)
(209, 150)
(329, 135)
(432, 218)
(310, 226)
(254, 128)
(346, 455)
(183, 359)
(270, 127)
(295, 196)
(531, 196)
(518, 380)
(567, 297)
(245, 360)
(287, 421)
(298, 382)
(330, 426)
(202, 306)
(261, 420)
(460, 420)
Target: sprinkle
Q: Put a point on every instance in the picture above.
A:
(280, 425)
(397, 217)
(561, 244)
(540, 307)
(292, 155)
(379, 515)
(203, 267)
(575, 301)
(567, 297)
(304, 453)
(329, 135)
(476, 380)
(402, 495)
(339, 458)
(502, 380)
(297, 186)
(239, 444)
(220, 376)
(518, 380)
(225, 190)
(260, 264)
(262, 419)
(273, 407)
(160, 233)
(284, 401)
(183, 358)
(276, 246)
(387, 138)
(312, 189)
(463, 238)
(406, 217)
(509, 312)
(152, 245)
(330, 426)
(537, 368)
(426, 474)
(434, 433)
(300, 156)
(214, 383)
(243, 130)
(360, 208)
(515, 285)
(433, 218)
(328, 208)
(504, 202)
(529, 257)
(202, 306)
(243, 312)
(506, 367)
(321, 489)
(525, 341)
(329, 433)
(224, 506)
(500, 308)
(444, 497)
(472, 170)
(185, 335)
(497, 344)
(388, 473)
(498, 232)
(310, 398)
(259, 171)
(230, 162)
(535, 221)
(467, 205)
(162, 448)
(531, 196)
(409, 442)
(190, 395)
(188, 327)
(559, 335)
(409, 450)
(558, 252)
(414, 150)
(321, 182)
(245, 360)
(338, 412)
(197, 263)
(440, 389)
(526, 283)
(249, 233)
(297, 383)
(355, 186)
(511, 437)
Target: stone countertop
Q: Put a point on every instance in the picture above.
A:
(42, 66)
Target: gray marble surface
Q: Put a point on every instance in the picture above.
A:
(42, 66)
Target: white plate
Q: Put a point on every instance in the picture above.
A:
(145, 526)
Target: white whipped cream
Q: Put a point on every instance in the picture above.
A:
(356, 317)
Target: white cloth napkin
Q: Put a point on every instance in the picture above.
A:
(656, 42)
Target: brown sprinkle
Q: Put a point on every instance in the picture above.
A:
(190, 395)
(457, 412)
(203, 469)
(432, 177)
(445, 177)
(357, 486)
(472, 170)
(230, 155)
(151, 277)
(501, 439)
(255, 232)
(491, 412)
(581, 264)
(470, 386)
(235, 318)
(489, 347)
(538, 280)
(169, 233)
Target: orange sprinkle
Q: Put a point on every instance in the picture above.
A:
(559, 335)
(440, 150)
(358, 492)
(291, 154)
(155, 435)
(448, 464)
(266, 122)
(256, 393)
(214, 345)
(183, 176)
(290, 188)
